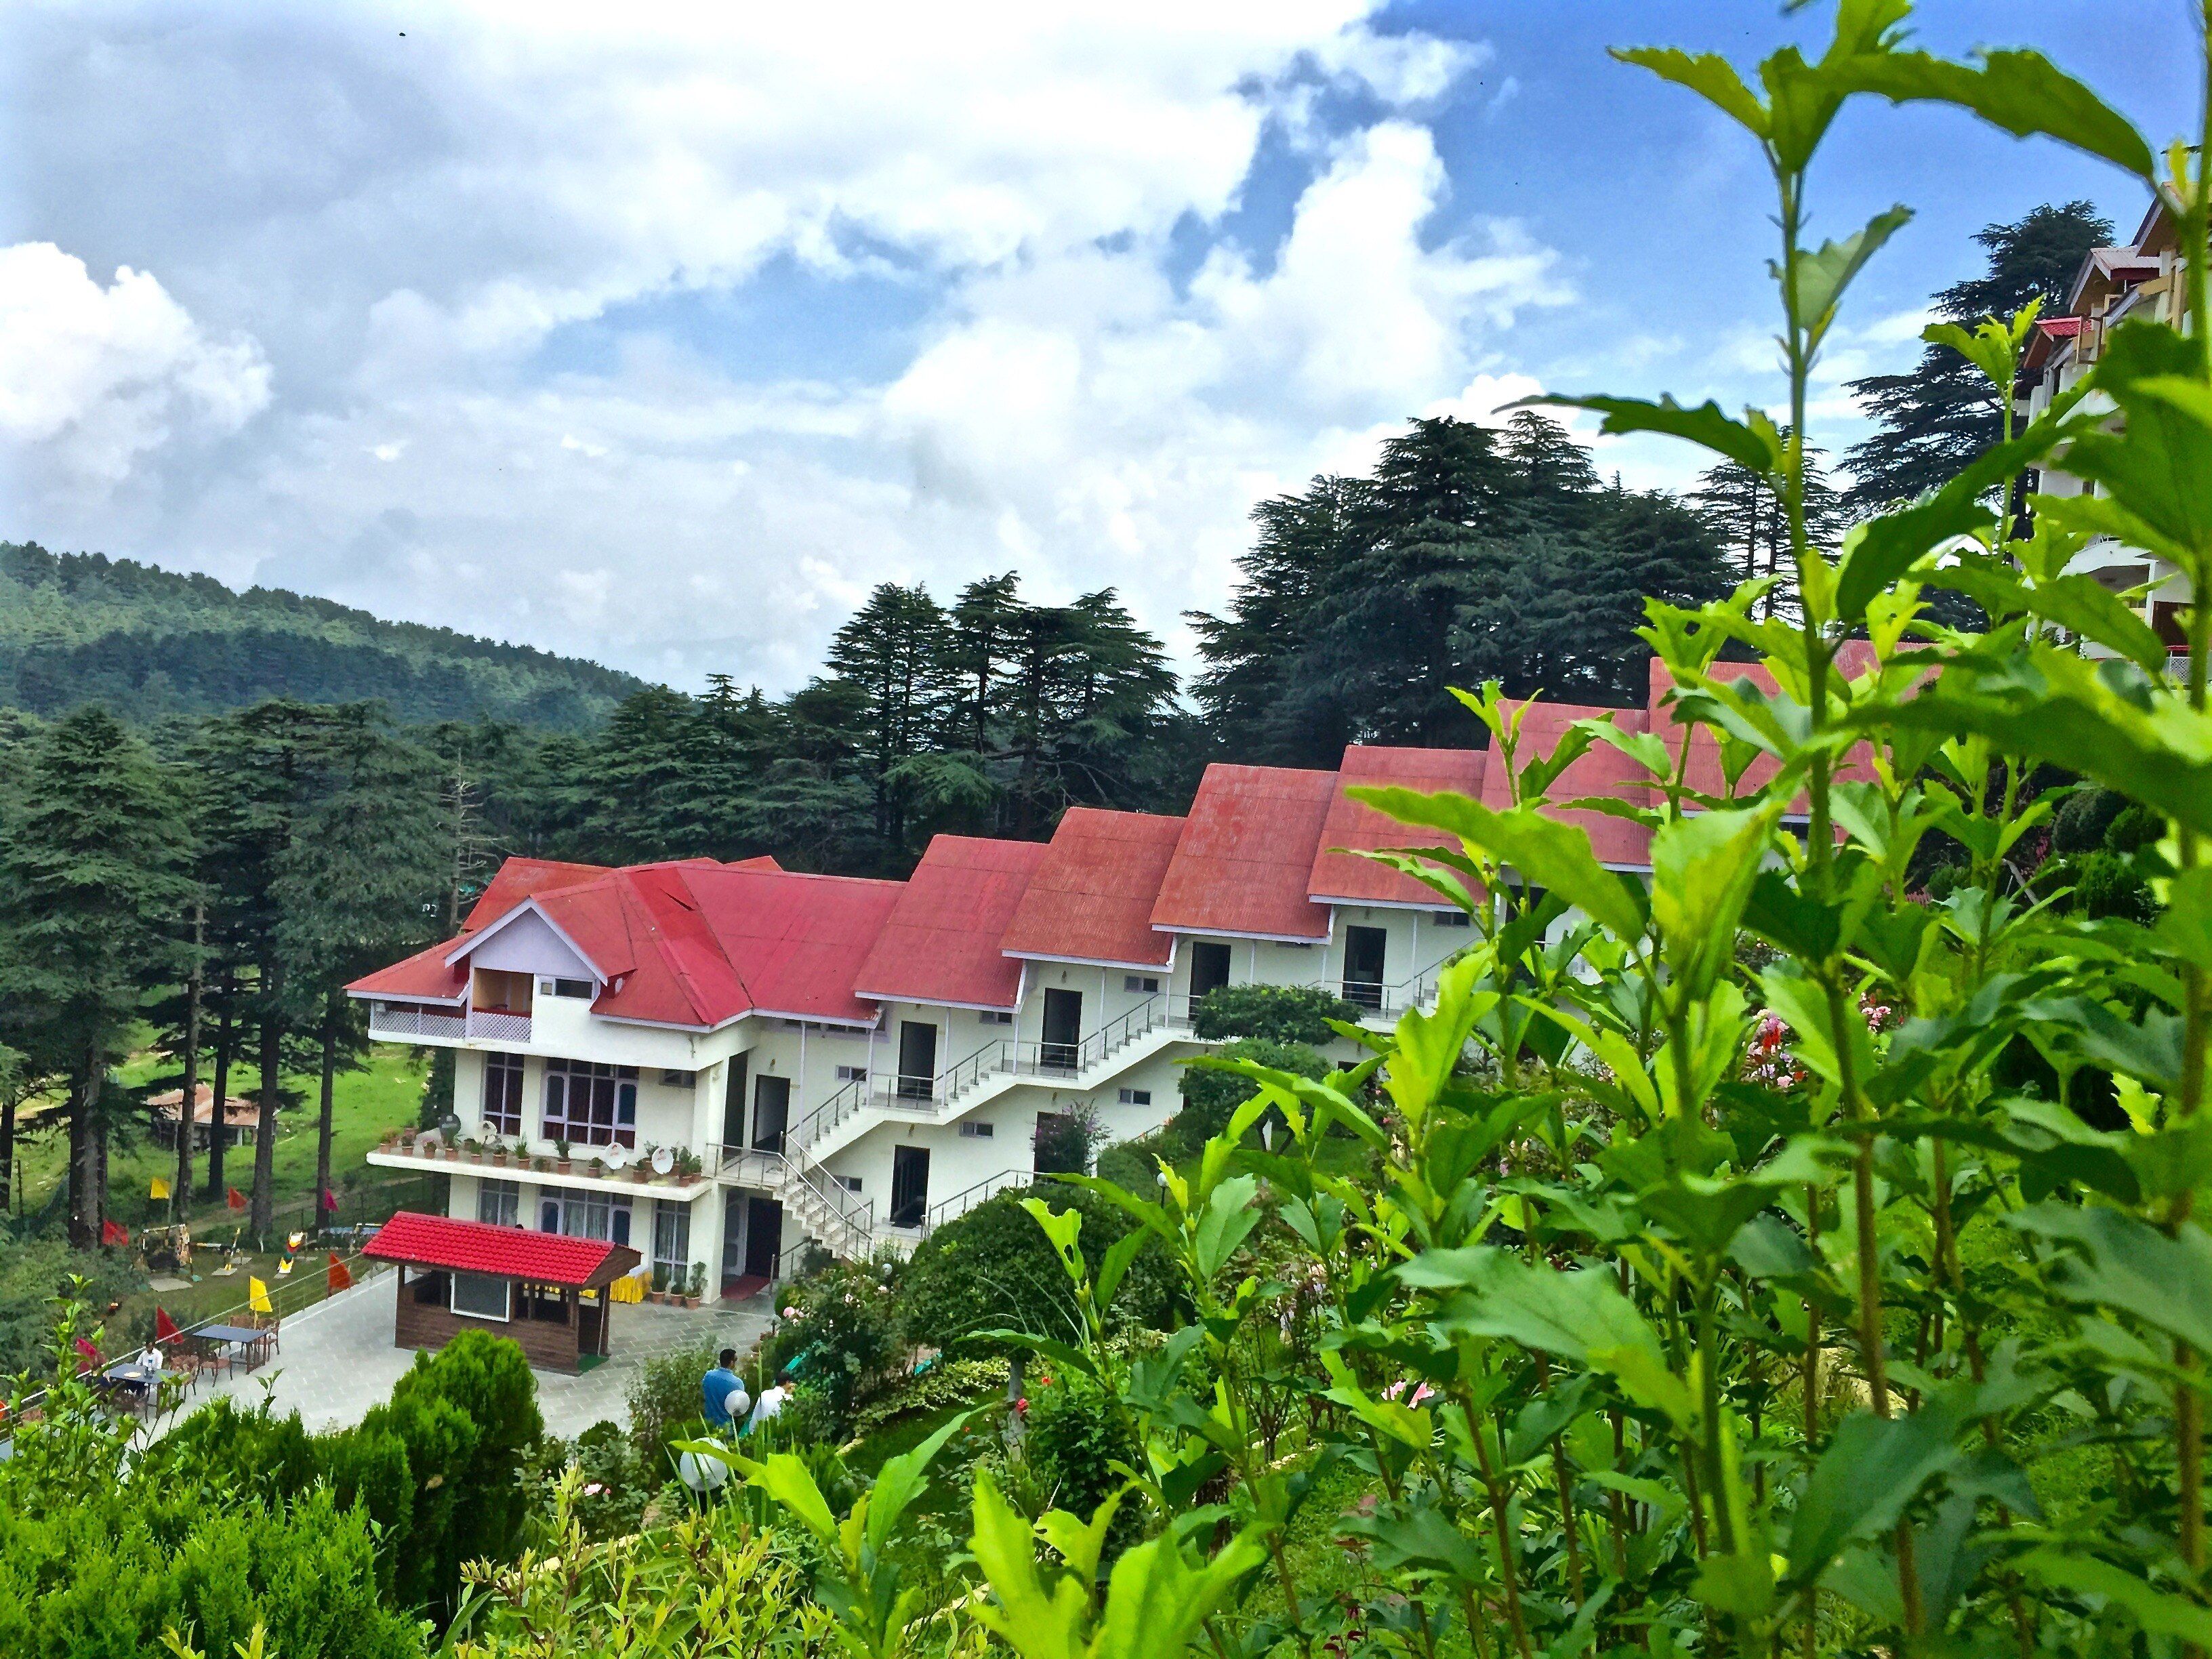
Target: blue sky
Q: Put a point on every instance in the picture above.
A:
(659, 337)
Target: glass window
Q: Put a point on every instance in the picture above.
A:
(591, 1215)
(671, 1239)
(502, 1094)
(500, 1203)
(480, 1296)
(589, 1105)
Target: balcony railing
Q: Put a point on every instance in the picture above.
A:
(401, 1020)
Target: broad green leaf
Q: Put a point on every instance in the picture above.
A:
(900, 1480)
(1702, 870)
(1081, 1542)
(1156, 1603)
(1231, 1214)
(1709, 75)
(1062, 1227)
(2017, 91)
(1545, 852)
(2131, 1267)
(2186, 929)
(1752, 443)
(790, 1483)
(2080, 604)
(2160, 1613)
(1037, 1622)
(1871, 1470)
(1823, 274)
(1740, 1585)
(1112, 1265)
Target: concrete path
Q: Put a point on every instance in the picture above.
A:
(337, 1360)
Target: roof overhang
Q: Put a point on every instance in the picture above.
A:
(1097, 962)
(459, 1000)
(1231, 933)
(529, 907)
(1440, 902)
(931, 1002)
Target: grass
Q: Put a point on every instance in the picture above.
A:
(387, 1093)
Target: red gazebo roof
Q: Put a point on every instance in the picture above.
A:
(478, 1247)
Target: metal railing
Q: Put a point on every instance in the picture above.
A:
(967, 1198)
(803, 1183)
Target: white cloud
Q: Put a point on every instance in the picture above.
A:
(95, 376)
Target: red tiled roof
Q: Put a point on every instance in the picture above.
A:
(1604, 771)
(426, 976)
(1090, 897)
(2061, 326)
(795, 942)
(1704, 774)
(1354, 826)
(477, 1247)
(517, 879)
(941, 942)
(1241, 864)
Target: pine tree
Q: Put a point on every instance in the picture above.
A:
(92, 886)
(895, 650)
(1944, 413)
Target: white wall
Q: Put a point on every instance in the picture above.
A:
(528, 945)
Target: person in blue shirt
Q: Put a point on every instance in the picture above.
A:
(723, 1396)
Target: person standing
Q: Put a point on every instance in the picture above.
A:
(723, 1396)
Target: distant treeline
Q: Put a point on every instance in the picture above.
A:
(146, 643)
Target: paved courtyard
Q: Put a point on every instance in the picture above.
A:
(337, 1358)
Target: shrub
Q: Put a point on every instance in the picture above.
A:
(2135, 829)
(1073, 1440)
(1210, 1099)
(32, 1273)
(1277, 1013)
(947, 1383)
(2079, 823)
(664, 1403)
(842, 1335)
(2108, 884)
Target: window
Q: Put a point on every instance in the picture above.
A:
(500, 1203)
(974, 1131)
(1144, 983)
(585, 1215)
(1449, 918)
(590, 1104)
(671, 1241)
(569, 987)
(1209, 967)
(850, 1183)
(480, 1296)
(851, 1074)
(502, 1094)
(679, 1079)
(995, 1017)
(1136, 1097)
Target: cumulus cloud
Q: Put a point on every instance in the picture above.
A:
(93, 377)
(662, 336)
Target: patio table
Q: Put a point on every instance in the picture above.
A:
(255, 1341)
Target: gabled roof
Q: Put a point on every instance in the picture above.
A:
(940, 941)
(1352, 826)
(796, 942)
(1241, 864)
(1602, 773)
(478, 1247)
(426, 976)
(1091, 896)
(517, 879)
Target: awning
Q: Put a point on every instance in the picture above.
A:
(478, 1247)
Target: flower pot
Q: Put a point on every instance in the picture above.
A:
(453, 1155)
(499, 1159)
(565, 1166)
(691, 1301)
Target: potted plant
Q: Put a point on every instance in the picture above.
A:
(407, 1138)
(697, 1288)
(688, 1163)
(542, 1163)
(660, 1291)
(498, 1153)
(452, 1153)
(561, 1157)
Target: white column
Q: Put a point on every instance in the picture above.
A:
(707, 1088)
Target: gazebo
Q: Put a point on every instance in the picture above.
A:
(547, 1291)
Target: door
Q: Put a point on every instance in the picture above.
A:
(1209, 968)
(1362, 965)
(763, 1236)
(917, 1072)
(771, 1112)
(1063, 1029)
(733, 1104)
(910, 1185)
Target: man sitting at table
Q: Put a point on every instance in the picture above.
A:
(150, 1357)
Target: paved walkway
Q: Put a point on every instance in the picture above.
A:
(337, 1360)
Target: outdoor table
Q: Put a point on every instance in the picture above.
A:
(143, 1381)
(248, 1336)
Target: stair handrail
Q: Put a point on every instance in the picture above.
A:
(966, 1198)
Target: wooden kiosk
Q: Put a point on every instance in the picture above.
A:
(546, 1292)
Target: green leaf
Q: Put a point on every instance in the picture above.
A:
(1740, 1585)
(1081, 1542)
(1231, 1214)
(2119, 1263)
(1709, 75)
(1871, 1470)
(1702, 870)
(2080, 604)
(1062, 1227)
(1545, 852)
(900, 1480)
(1752, 443)
(1037, 1622)
(1822, 274)
(1783, 916)
(791, 1483)
(1112, 1265)
(1156, 1603)
(2017, 91)
(2160, 1613)
(2186, 929)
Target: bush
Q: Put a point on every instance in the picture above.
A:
(2135, 829)
(2079, 823)
(2108, 884)
(1210, 1099)
(842, 1334)
(1073, 1439)
(32, 1273)
(664, 1403)
(1277, 1013)
(947, 1383)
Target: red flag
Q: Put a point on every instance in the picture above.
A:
(165, 1329)
(91, 1353)
(112, 1234)
(234, 1198)
(330, 1200)
(339, 1278)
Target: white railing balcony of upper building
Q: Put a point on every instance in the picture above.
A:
(400, 1020)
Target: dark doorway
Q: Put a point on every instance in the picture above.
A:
(1063, 1029)
(1209, 968)
(910, 1185)
(771, 1112)
(917, 1072)
(733, 1105)
(1362, 965)
(763, 1236)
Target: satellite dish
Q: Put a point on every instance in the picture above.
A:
(663, 1160)
(615, 1157)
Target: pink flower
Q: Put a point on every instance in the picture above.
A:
(593, 1490)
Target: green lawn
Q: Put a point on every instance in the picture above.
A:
(385, 1094)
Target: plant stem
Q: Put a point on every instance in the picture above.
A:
(1509, 1574)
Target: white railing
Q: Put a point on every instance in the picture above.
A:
(841, 1218)
(405, 1019)
(961, 1202)
(497, 1025)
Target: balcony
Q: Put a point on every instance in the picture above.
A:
(406, 1022)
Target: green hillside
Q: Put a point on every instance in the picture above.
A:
(78, 628)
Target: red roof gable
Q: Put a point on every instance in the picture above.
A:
(477, 1247)
(1091, 896)
(1241, 864)
(1604, 771)
(517, 879)
(1704, 774)
(795, 942)
(1353, 826)
(426, 976)
(940, 941)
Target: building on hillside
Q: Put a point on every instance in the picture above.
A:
(242, 1119)
(2144, 279)
(722, 1064)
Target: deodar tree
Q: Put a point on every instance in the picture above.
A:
(1710, 1285)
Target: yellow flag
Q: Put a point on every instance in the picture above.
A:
(256, 1296)
(284, 1269)
(158, 1188)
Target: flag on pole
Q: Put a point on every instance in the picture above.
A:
(112, 1234)
(234, 1198)
(157, 1188)
(339, 1278)
(293, 1241)
(284, 1269)
(330, 1201)
(256, 1296)
(165, 1329)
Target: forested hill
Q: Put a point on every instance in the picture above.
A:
(78, 628)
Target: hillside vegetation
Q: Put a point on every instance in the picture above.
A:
(78, 628)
